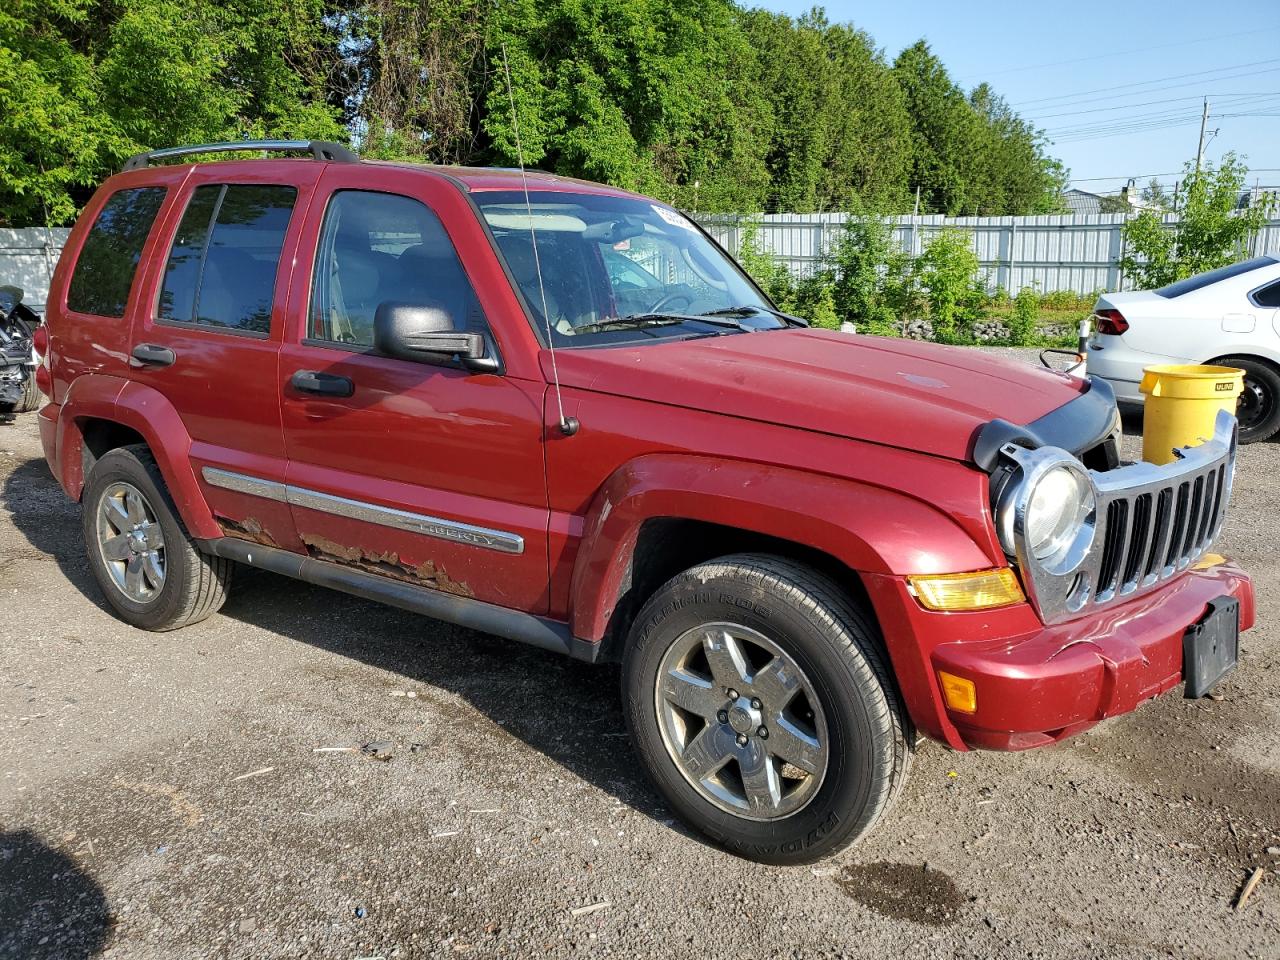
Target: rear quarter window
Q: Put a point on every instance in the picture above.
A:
(109, 258)
(1268, 296)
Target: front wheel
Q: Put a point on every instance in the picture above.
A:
(761, 706)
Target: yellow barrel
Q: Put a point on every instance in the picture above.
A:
(1182, 404)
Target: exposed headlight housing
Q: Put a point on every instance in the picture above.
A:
(1052, 504)
(1085, 539)
(1059, 511)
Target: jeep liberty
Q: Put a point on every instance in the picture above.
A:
(558, 412)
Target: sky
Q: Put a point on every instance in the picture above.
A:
(1118, 87)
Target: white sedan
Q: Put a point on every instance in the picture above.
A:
(1229, 316)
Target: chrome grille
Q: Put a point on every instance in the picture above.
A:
(1150, 523)
(1143, 544)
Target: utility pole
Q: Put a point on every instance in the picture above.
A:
(1204, 122)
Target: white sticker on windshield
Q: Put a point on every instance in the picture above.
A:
(671, 217)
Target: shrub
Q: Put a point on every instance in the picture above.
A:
(1210, 232)
(869, 273)
(948, 271)
(772, 275)
(820, 308)
(1026, 313)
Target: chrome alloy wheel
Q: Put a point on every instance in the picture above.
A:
(741, 721)
(131, 542)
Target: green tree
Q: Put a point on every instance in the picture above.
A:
(1210, 231)
(972, 155)
(840, 130)
(1155, 195)
(85, 83)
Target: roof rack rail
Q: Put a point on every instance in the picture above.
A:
(319, 149)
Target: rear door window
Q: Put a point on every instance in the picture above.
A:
(109, 258)
(222, 266)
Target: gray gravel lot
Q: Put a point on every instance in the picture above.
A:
(161, 795)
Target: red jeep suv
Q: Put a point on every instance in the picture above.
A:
(559, 412)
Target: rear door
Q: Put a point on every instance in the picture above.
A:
(429, 473)
(211, 341)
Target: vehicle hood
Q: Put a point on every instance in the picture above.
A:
(901, 393)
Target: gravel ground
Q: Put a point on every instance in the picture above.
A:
(162, 795)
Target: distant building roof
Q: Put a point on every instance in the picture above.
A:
(1082, 202)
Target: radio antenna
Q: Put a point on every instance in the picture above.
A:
(568, 425)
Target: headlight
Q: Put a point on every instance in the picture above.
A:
(1053, 508)
(1059, 504)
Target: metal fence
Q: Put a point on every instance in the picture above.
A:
(1079, 253)
(27, 259)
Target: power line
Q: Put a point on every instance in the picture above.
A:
(1241, 106)
(1095, 133)
(1145, 83)
(1113, 54)
(1150, 176)
(1147, 103)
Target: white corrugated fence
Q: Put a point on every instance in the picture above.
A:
(27, 259)
(1078, 253)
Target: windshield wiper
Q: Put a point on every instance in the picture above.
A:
(640, 320)
(747, 310)
(633, 321)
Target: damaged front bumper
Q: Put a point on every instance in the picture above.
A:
(1036, 684)
(1037, 689)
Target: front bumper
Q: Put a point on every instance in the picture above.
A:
(1068, 677)
(1038, 684)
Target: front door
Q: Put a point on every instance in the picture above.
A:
(425, 472)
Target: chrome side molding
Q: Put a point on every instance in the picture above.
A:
(442, 529)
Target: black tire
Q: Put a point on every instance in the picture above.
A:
(837, 647)
(194, 585)
(1259, 408)
(30, 395)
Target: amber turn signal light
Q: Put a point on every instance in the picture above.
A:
(978, 590)
(1209, 561)
(960, 694)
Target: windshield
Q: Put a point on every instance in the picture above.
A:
(618, 269)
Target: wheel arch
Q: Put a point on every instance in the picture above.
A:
(100, 414)
(1246, 352)
(661, 514)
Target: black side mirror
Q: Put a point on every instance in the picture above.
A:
(413, 331)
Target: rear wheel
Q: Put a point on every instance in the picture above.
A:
(30, 395)
(1258, 409)
(761, 706)
(149, 569)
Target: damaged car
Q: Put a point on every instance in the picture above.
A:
(558, 412)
